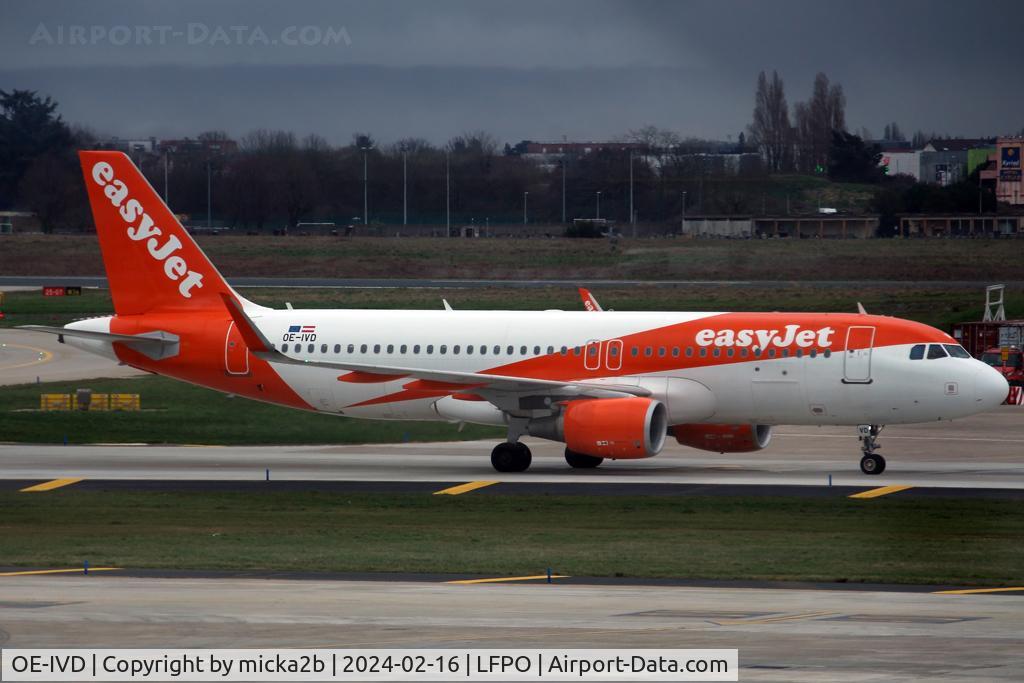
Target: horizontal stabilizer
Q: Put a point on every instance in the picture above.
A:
(155, 345)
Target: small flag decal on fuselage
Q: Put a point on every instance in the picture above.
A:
(300, 333)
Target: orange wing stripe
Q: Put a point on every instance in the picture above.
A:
(360, 377)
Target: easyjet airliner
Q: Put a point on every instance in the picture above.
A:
(607, 384)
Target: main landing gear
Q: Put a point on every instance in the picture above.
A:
(582, 460)
(511, 456)
(870, 462)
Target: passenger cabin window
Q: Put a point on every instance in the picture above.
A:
(311, 347)
(337, 348)
(936, 351)
(323, 348)
(956, 351)
(917, 352)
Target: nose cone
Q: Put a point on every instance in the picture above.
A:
(990, 387)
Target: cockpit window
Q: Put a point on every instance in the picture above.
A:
(936, 351)
(917, 352)
(957, 351)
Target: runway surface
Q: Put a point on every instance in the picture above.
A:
(982, 452)
(26, 356)
(782, 635)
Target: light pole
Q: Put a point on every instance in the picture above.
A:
(525, 195)
(599, 205)
(632, 215)
(447, 195)
(682, 216)
(405, 187)
(209, 194)
(366, 185)
(563, 188)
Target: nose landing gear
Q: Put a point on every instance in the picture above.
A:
(870, 462)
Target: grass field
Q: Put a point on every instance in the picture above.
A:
(178, 413)
(923, 541)
(938, 306)
(795, 260)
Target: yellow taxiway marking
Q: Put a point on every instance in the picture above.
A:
(969, 591)
(44, 357)
(464, 488)
(51, 485)
(772, 620)
(883, 491)
(504, 579)
(79, 570)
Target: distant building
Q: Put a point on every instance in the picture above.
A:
(548, 155)
(190, 145)
(902, 161)
(945, 162)
(1009, 188)
(130, 147)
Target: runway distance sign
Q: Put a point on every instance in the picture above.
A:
(54, 290)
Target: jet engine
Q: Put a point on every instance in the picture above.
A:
(616, 428)
(723, 438)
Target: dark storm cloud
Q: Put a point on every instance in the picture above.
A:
(519, 69)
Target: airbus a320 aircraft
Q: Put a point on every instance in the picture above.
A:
(607, 384)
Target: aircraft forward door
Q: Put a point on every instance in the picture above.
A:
(857, 357)
(236, 353)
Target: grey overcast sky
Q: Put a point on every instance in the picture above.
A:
(519, 69)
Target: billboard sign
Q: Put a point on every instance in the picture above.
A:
(1009, 164)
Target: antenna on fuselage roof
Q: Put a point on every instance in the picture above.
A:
(447, 306)
(860, 308)
(288, 305)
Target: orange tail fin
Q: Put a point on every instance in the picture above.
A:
(152, 262)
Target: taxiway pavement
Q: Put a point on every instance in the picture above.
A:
(782, 635)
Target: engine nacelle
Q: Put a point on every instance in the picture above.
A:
(723, 438)
(617, 428)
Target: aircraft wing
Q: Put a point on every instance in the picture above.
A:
(365, 373)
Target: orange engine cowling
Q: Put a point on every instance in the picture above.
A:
(618, 428)
(723, 438)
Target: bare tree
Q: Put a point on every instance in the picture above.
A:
(654, 138)
(770, 131)
(826, 112)
(475, 143)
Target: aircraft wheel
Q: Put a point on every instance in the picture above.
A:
(511, 457)
(872, 463)
(582, 460)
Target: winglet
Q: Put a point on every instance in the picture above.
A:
(253, 338)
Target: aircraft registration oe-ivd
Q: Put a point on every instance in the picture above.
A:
(607, 384)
